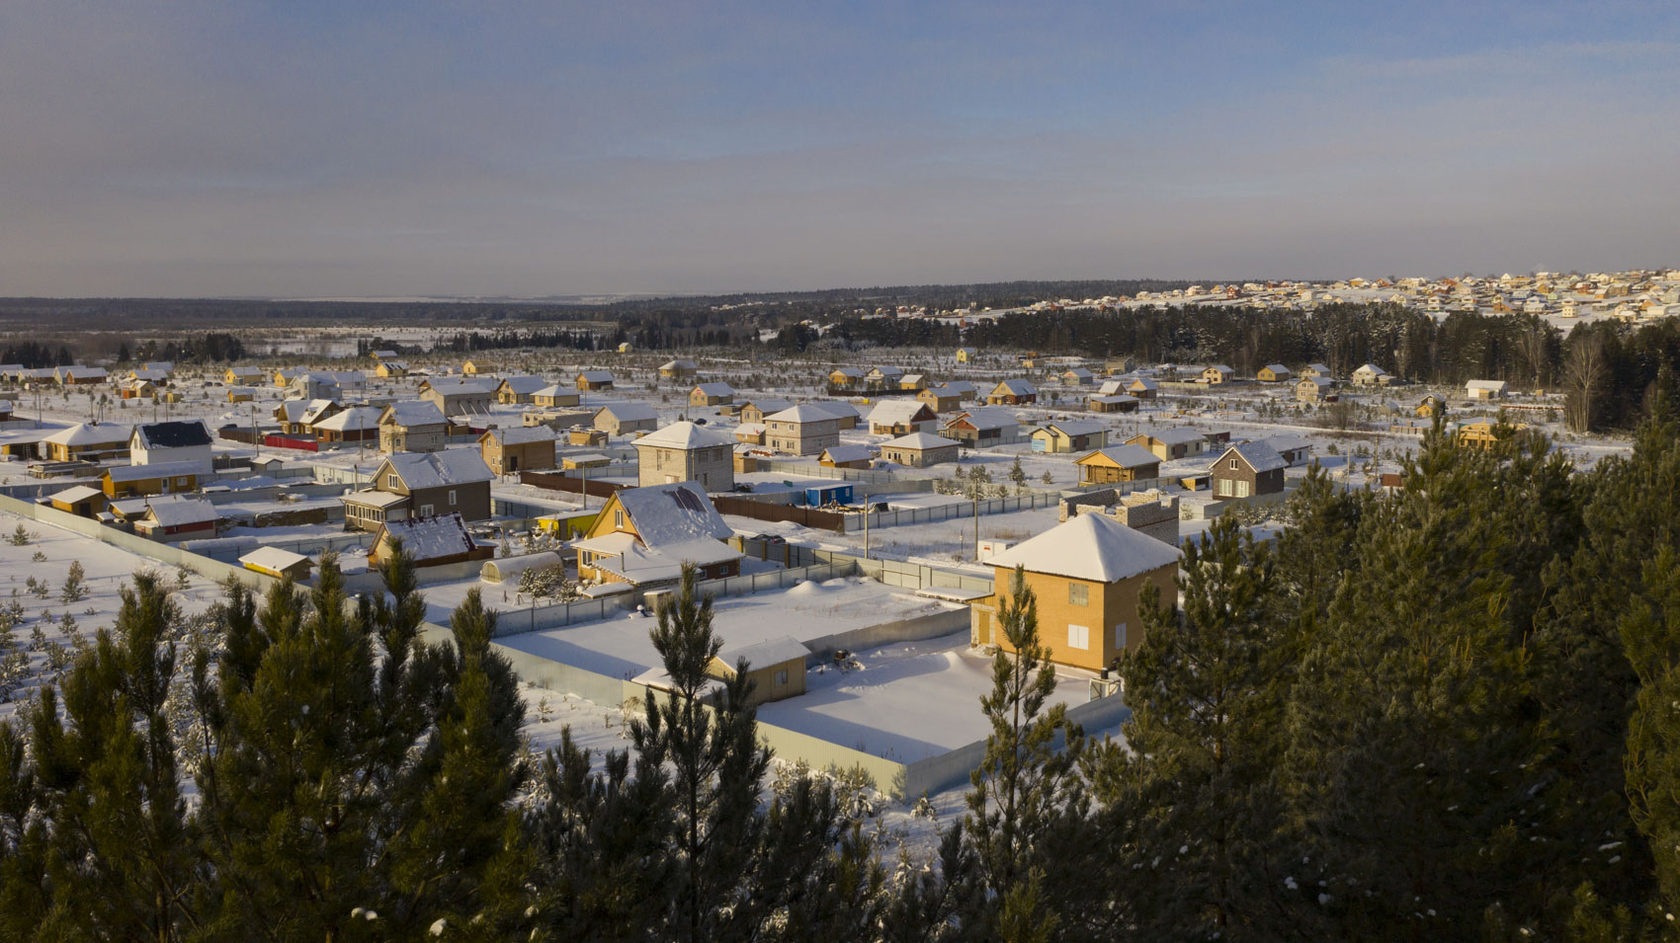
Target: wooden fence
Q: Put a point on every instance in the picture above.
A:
(765, 511)
(554, 481)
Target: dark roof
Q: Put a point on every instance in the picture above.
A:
(172, 435)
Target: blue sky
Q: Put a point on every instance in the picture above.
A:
(532, 148)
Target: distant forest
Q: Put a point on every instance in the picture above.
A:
(1450, 712)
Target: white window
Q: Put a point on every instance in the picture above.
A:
(1233, 464)
(1242, 489)
(390, 481)
(1225, 486)
(1079, 636)
(618, 519)
(1120, 636)
(426, 510)
(452, 497)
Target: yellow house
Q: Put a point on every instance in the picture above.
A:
(1086, 575)
(1118, 463)
(1483, 433)
(1429, 406)
(1274, 373)
(473, 368)
(966, 355)
(645, 535)
(240, 394)
(775, 668)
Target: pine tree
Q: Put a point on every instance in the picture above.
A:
(1194, 805)
(1024, 784)
(717, 765)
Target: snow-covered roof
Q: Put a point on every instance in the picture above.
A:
(768, 404)
(1277, 368)
(673, 513)
(292, 410)
(437, 469)
(804, 412)
(371, 498)
(986, 417)
(640, 563)
(718, 388)
(835, 409)
(629, 412)
(847, 453)
(1259, 456)
(1126, 456)
(428, 538)
(520, 435)
(318, 408)
(413, 412)
(1016, 388)
(684, 435)
(772, 651)
(353, 419)
(1073, 427)
(524, 384)
(960, 386)
(1178, 435)
(1116, 398)
(596, 376)
(127, 473)
(1088, 547)
(681, 363)
(176, 510)
(894, 412)
(91, 433)
(454, 386)
(272, 559)
(555, 389)
(920, 440)
(1491, 386)
(1287, 442)
(75, 493)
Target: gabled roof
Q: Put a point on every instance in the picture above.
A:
(685, 435)
(1126, 456)
(768, 404)
(892, 412)
(456, 386)
(273, 558)
(172, 435)
(1143, 383)
(920, 440)
(318, 408)
(834, 409)
(1015, 388)
(523, 385)
(428, 538)
(1287, 442)
(1278, 368)
(353, 419)
(1259, 456)
(985, 417)
(595, 376)
(847, 453)
(91, 433)
(76, 493)
(438, 469)
(413, 412)
(854, 372)
(774, 651)
(1073, 427)
(292, 410)
(681, 363)
(1492, 386)
(718, 388)
(629, 412)
(1089, 547)
(804, 412)
(673, 514)
(175, 510)
(520, 435)
(127, 473)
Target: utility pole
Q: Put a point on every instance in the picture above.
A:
(866, 525)
(977, 526)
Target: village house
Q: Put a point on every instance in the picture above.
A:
(1114, 403)
(518, 390)
(1143, 388)
(801, 430)
(1087, 575)
(87, 442)
(520, 448)
(590, 381)
(171, 442)
(1078, 376)
(473, 368)
(428, 541)
(171, 518)
(1483, 433)
(1118, 463)
(413, 426)
(984, 426)
(940, 399)
(79, 500)
(298, 416)
(882, 379)
(912, 382)
(643, 536)
(755, 409)
(278, 563)
(454, 396)
(963, 388)
(846, 379)
(847, 456)
(679, 369)
(1247, 469)
(966, 355)
(1317, 370)
(1219, 373)
(1069, 435)
(775, 668)
(550, 397)
(751, 433)
(1429, 407)
(844, 413)
(1274, 373)
(1295, 450)
(1371, 375)
(625, 418)
(244, 375)
(356, 424)
(896, 417)
(920, 450)
(684, 451)
(1314, 390)
(1485, 389)
(711, 394)
(1012, 393)
(137, 389)
(81, 375)
(422, 484)
(1172, 444)
(382, 354)
(240, 394)
(128, 481)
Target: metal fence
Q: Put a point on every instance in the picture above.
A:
(945, 512)
(766, 511)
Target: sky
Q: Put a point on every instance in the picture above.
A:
(501, 148)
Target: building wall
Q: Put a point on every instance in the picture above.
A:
(802, 438)
(713, 467)
(472, 500)
(1107, 606)
(393, 438)
(1262, 483)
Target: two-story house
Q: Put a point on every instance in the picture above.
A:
(422, 484)
(684, 451)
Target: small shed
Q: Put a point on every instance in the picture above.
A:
(817, 496)
(775, 668)
(276, 562)
(80, 500)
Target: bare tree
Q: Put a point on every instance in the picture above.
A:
(1583, 375)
